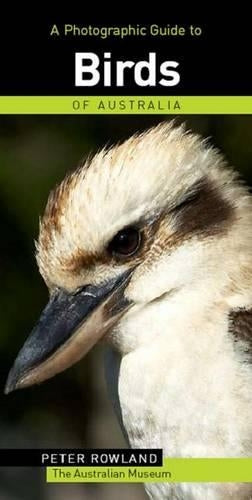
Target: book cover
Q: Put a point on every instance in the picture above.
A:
(125, 258)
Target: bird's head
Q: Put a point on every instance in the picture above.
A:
(155, 216)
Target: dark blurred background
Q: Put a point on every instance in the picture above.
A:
(73, 409)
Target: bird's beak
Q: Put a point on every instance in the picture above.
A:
(69, 326)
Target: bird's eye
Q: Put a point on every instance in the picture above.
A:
(125, 243)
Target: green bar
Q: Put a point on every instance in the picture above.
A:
(174, 470)
(169, 105)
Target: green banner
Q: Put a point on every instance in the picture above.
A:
(174, 470)
(146, 105)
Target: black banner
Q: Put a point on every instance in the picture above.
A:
(213, 58)
(80, 457)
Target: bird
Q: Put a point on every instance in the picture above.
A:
(147, 247)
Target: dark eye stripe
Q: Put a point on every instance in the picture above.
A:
(206, 212)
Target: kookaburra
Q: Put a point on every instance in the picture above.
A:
(148, 246)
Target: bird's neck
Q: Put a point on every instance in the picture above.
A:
(174, 316)
(180, 377)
